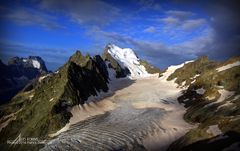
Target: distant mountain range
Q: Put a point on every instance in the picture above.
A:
(211, 93)
(17, 73)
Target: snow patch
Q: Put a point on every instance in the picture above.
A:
(42, 77)
(36, 64)
(171, 69)
(224, 94)
(228, 66)
(185, 100)
(65, 128)
(31, 96)
(214, 130)
(193, 81)
(220, 87)
(210, 97)
(194, 78)
(183, 83)
(197, 75)
(200, 91)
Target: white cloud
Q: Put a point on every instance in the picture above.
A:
(150, 29)
(182, 20)
(170, 20)
(193, 23)
(179, 14)
(84, 11)
(196, 45)
(24, 16)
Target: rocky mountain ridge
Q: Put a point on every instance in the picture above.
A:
(212, 98)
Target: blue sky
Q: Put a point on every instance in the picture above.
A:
(162, 32)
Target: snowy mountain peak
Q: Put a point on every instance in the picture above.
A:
(127, 59)
(31, 61)
(122, 53)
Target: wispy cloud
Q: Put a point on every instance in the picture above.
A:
(173, 21)
(26, 16)
(193, 23)
(148, 4)
(85, 11)
(181, 19)
(179, 14)
(150, 29)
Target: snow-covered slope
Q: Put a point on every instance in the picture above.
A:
(127, 58)
(228, 66)
(171, 69)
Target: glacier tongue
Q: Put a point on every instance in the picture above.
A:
(128, 59)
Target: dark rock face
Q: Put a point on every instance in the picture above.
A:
(101, 66)
(85, 81)
(17, 73)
